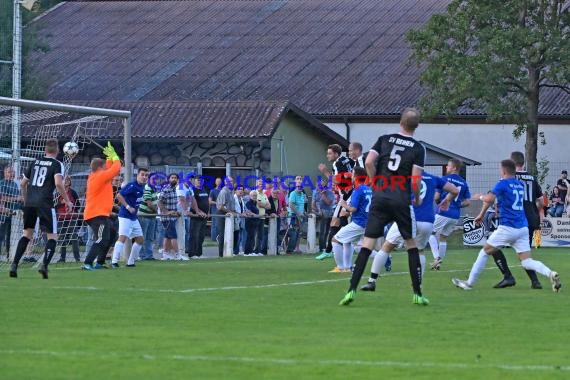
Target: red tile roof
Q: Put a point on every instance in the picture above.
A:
(330, 57)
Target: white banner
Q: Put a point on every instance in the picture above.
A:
(555, 232)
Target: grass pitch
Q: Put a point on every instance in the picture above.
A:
(278, 318)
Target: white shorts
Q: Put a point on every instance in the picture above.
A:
(130, 228)
(444, 225)
(423, 232)
(351, 233)
(515, 237)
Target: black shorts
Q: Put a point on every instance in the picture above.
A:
(100, 226)
(384, 211)
(48, 221)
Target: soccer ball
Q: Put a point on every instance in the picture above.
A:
(70, 148)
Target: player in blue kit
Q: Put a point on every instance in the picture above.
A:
(130, 198)
(358, 206)
(446, 220)
(424, 214)
(512, 230)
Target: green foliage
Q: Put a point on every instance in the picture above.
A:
(543, 168)
(33, 87)
(494, 57)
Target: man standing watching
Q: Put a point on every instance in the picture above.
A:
(40, 181)
(10, 200)
(130, 198)
(225, 204)
(99, 204)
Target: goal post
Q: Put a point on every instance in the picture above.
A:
(22, 140)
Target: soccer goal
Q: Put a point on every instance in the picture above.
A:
(25, 126)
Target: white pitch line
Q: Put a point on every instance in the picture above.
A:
(224, 288)
(294, 362)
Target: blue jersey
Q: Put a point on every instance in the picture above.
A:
(454, 211)
(510, 196)
(133, 194)
(360, 199)
(430, 185)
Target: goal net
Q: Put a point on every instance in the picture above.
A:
(29, 127)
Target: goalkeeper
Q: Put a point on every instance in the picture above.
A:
(98, 205)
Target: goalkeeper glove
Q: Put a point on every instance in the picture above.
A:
(110, 153)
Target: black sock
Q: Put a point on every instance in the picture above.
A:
(374, 275)
(415, 270)
(501, 262)
(532, 275)
(20, 249)
(332, 231)
(359, 267)
(49, 252)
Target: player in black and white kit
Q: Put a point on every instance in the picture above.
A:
(40, 181)
(341, 165)
(534, 212)
(395, 164)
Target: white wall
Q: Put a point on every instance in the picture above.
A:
(486, 143)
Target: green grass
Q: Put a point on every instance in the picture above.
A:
(223, 319)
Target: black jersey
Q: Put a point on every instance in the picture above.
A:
(397, 155)
(343, 165)
(361, 161)
(41, 186)
(532, 191)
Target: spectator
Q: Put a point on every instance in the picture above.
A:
(226, 206)
(147, 218)
(242, 212)
(278, 211)
(297, 201)
(251, 224)
(556, 203)
(167, 201)
(183, 207)
(262, 226)
(213, 208)
(563, 184)
(68, 222)
(323, 207)
(10, 200)
(198, 226)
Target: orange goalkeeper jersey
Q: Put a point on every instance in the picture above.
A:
(99, 194)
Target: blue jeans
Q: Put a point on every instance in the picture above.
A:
(188, 227)
(148, 225)
(294, 234)
(556, 210)
(214, 230)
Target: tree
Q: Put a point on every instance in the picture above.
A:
(33, 86)
(495, 57)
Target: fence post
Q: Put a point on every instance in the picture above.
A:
(229, 236)
(272, 237)
(311, 233)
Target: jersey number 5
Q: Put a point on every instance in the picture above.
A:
(395, 158)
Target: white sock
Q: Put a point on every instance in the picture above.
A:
(423, 263)
(347, 254)
(478, 267)
(442, 249)
(378, 263)
(337, 250)
(134, 253)
(536, 266)
(117, 251)
(434, 246)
